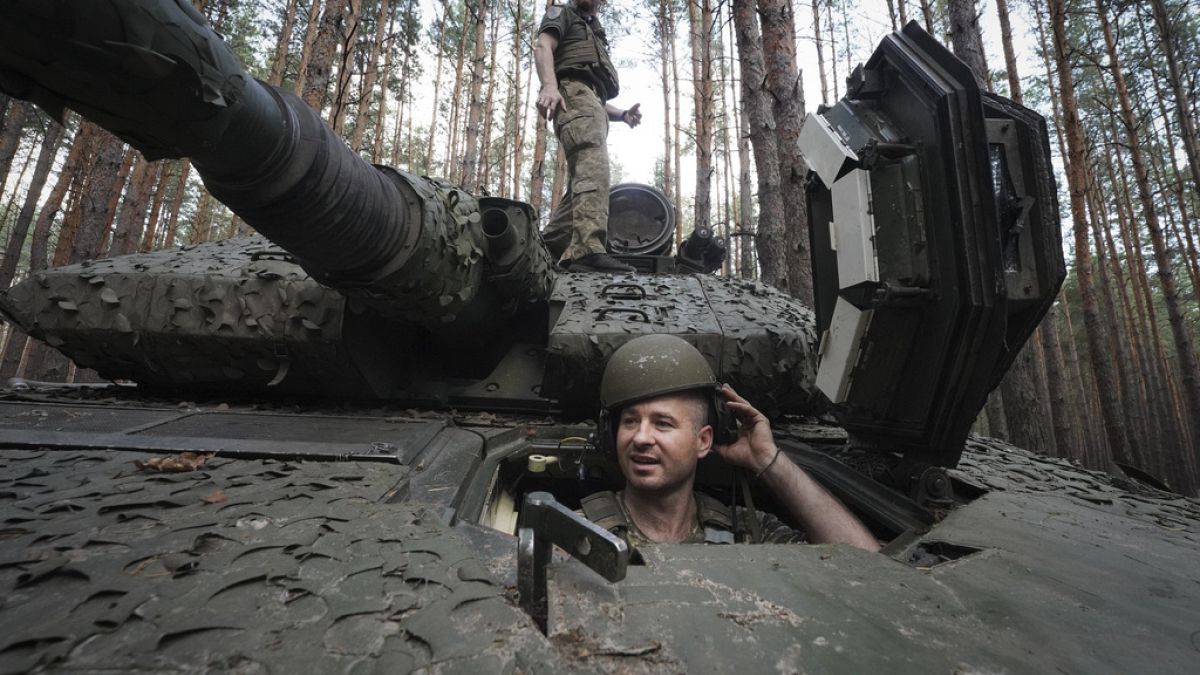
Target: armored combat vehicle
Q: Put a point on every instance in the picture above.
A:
(387, 402)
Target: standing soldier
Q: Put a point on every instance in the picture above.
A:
(578, 78)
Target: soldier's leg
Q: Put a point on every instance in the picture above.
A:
(583, 133)
(557, 234)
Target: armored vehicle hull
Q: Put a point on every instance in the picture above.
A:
(334, 541)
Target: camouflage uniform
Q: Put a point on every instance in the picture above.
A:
(715, 522)
(586, 79)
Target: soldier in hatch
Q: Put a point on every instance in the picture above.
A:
(658, 396)
(578, 78)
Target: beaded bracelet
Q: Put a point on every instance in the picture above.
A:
(767, 468)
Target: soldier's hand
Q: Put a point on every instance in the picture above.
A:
(755, 444)
(550, 102)
(633, 116)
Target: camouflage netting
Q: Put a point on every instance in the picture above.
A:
(237, 311)
(756, 338)
(999, 466)
(246, 566)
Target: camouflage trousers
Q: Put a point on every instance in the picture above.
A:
(579, 226)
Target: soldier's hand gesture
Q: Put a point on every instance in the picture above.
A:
(549, 102)
(633, 116)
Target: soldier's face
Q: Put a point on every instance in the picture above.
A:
(659, 442)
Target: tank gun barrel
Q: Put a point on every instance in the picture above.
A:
(155, 74)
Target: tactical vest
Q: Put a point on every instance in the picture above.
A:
(583, 54)
(716, 518)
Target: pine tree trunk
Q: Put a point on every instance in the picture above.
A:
(20, 229)
(746, 265)
(522, 77)
(1186, 355)
(511, 113)
(727, 162)
(1010, 56)
(993, 409)
(1126, 380)
(783, 79)
(755, 101)
(279, 60)
(177, 203)
(903, 13)
(928, 16)
(700, 33)
(676, 145)
(103, 176)
(663, 26)
(1050, 79)
(483, 181)
(73, 213)
(475, 106)
(14, 350)
(320, 57)
(1143, 302)
(967, 40)
(368, 96)
(348, 48)
(833, 55)
(10, 136)
(1179, 464)
(1091, 432)
(114, 198)
(816, 10)
(311, 29)
(11, 203)
(1061, 408)
(133, 209)
(846, 34)
(1024, 395)
(403, 105)
(132, 223)
(1177, 185)
(156, 204)
(1183, 101)
(739, 247)
(437, 87)
(39, 244)
(384, 88)
(453, 158)
(1077, 180)
(1148, 383)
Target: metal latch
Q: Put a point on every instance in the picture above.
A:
(544, 522)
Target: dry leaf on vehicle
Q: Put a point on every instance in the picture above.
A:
(184, 461)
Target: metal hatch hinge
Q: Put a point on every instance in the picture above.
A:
(545, 523)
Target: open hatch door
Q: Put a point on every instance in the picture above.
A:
(935, 241)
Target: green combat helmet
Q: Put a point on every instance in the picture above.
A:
(656, 365)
